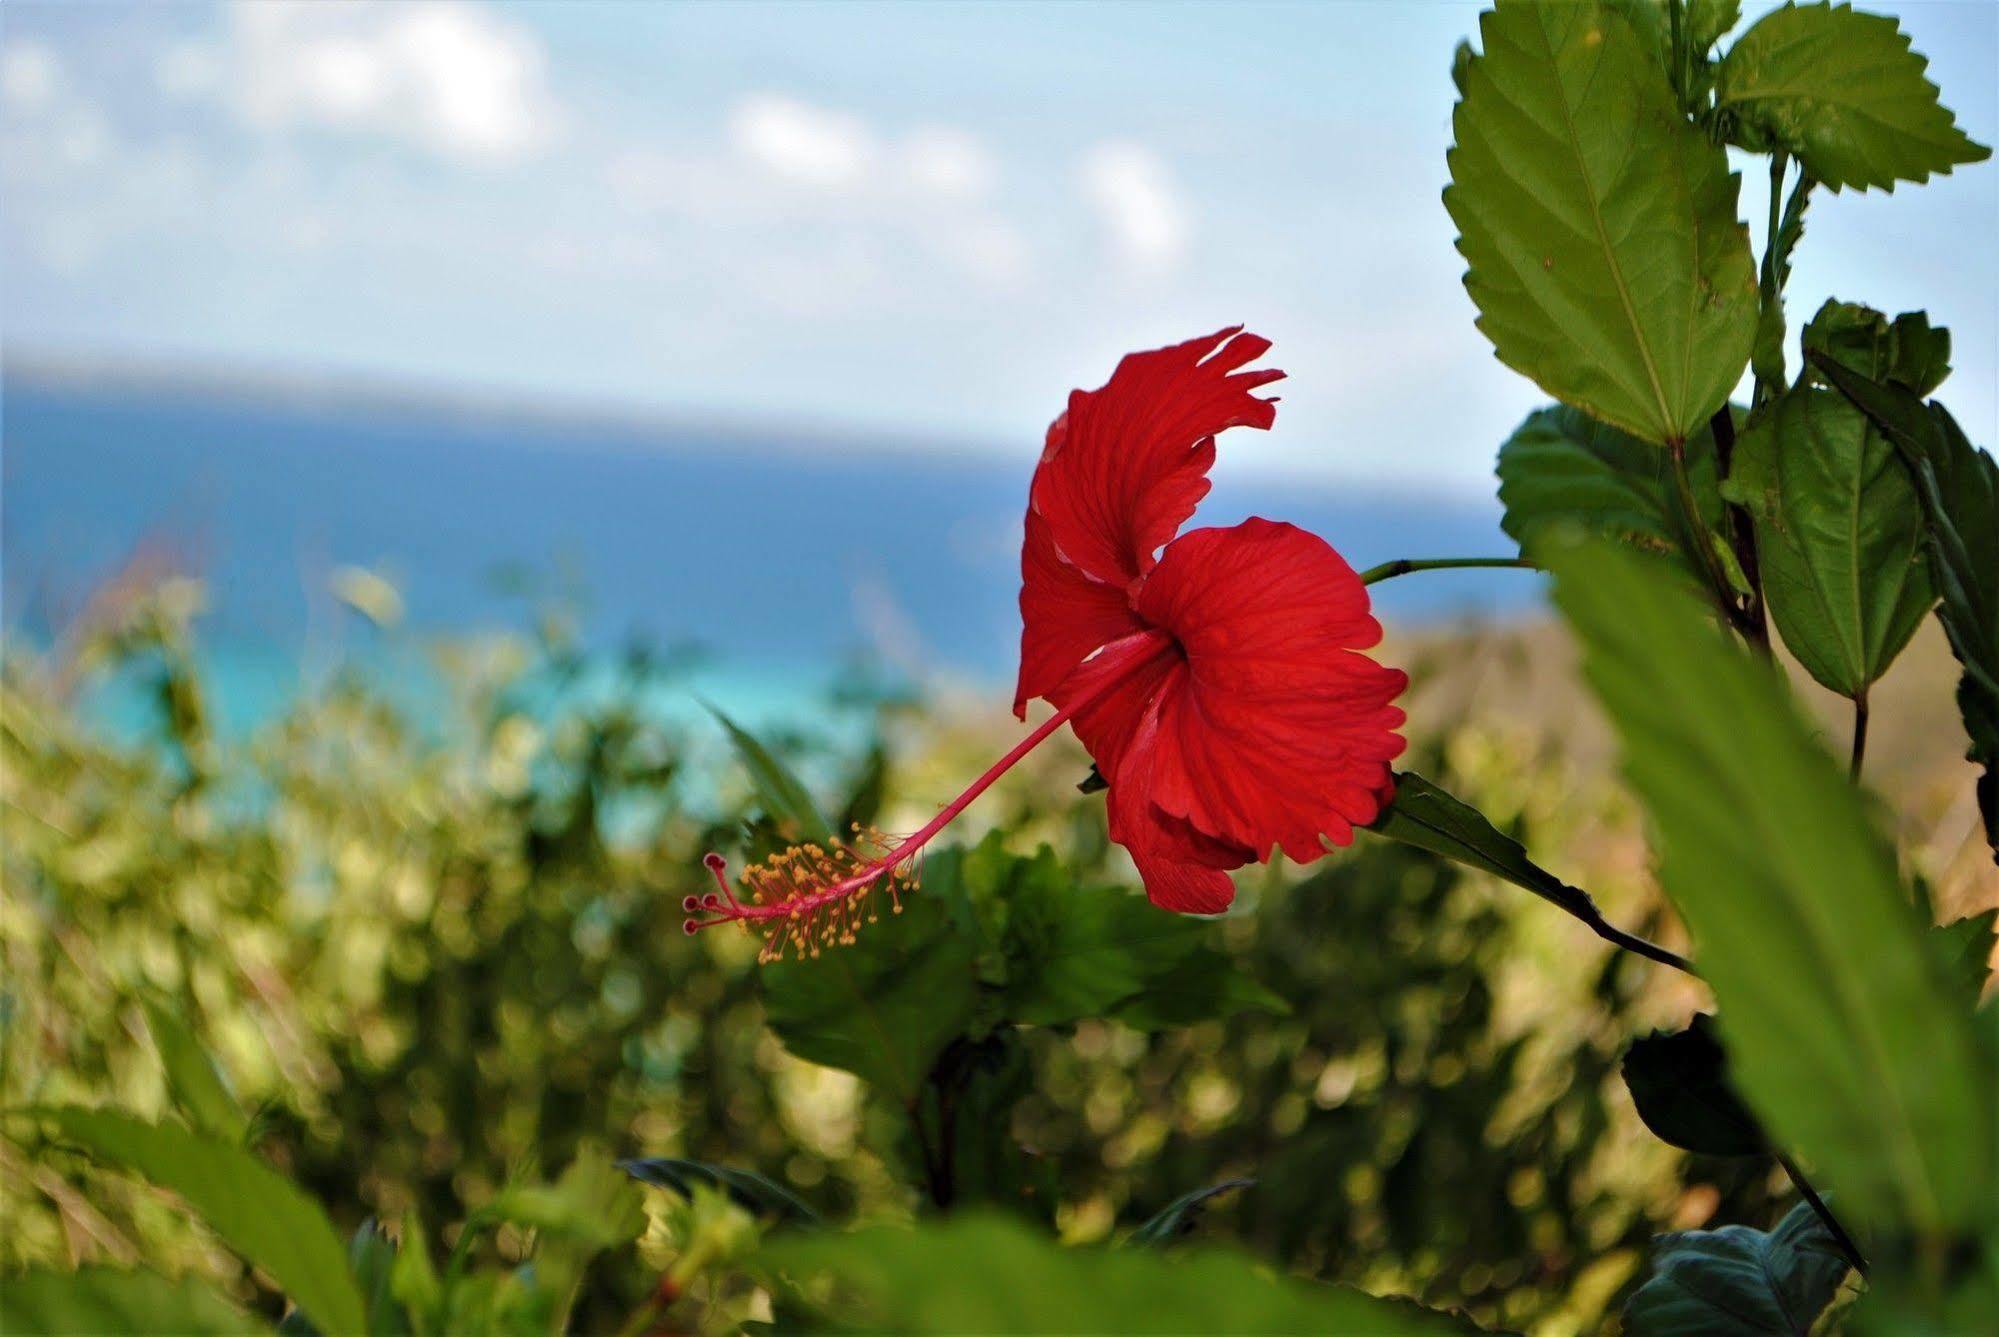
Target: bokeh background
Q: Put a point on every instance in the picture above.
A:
(413, 412)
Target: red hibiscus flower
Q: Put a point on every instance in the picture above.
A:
(1217, 677)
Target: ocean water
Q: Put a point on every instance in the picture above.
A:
(780, 556)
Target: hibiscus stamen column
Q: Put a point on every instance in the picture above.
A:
(811, 897)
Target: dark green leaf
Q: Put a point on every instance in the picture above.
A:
(1679, 1081)
(785, 800)
(1846, 1039)
(1839, 533)
(1430, 819)
(104, 1300)
(1906, 350)
(987, 1274)
(750, 1189)
(1563, 470)
(198, 1089)
(1178, 1216)
(1843, 92)
(1958, 485)
(1599, 224)
(255, 1210)
(1965, 948)
(1738, 1282)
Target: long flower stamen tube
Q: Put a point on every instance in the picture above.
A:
(1218, 677)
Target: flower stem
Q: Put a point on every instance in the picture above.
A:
(1840, 1238)
(1859, 737)
(1402, 566)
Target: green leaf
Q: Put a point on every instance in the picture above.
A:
(1906, 350)
(1207, 985)
(1958, 485)
(884, 1006)
(1426, 817)
(749, 1189)
(1739, 1282)
(107, 1300)
(1839, 534)
(1843, 92)
(198, 1089)
(1177, 1218)
(1965, 947)
(593, 1203)
(785, 800)
(1680, 1084)
(413, 1279)
(1846, 1039)
(1599, 224)
(1564, 471)
(255, 1210)
(986, 1274)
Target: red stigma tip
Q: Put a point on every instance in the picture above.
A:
(716, 863)
(709, 902)
(690, 903)
(689, 927)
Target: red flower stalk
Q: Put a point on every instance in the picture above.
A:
(1216, 677)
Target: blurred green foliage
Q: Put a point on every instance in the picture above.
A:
(437, 952)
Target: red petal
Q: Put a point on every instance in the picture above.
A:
(1122, 470)
(1278, 731)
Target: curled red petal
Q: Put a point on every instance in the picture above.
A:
(1278, 731)
(1123, 468)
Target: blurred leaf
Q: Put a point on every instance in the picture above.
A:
(413, 1279)
(1599, 225)
(884, 1006)
(968, 1106)
(1177, 1217)
(373, 1258)
(1958, 485)
(986, 1274)
(1739, 1282)
(1679, 1082)
(369, 594)
(1708, 21)
(1839, 534)
(1843, 1031)
(255, 1210)
(784, 798)
(1426, 817)
(1843, 92)
(1207, 985)
(750, 1189)
(198, 1089)
(593, 1203)
(1965, 947)
(865, 792)
(107, 1300)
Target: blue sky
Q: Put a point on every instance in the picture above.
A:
(916, 223)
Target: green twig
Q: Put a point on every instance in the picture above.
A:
(1402, 566)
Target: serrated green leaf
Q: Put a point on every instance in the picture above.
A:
(198, 1089)
(1680, 1084)
(255, 1210)
(749, 1189)
(1839, 535)
(1846, 1038)
(1599, 224)
(104, 1300)
(1177, 1217)
(1958, 485)
(987, 1274)
(1739, 1282)
(1844, 92)
(1563, 470)
(786, 801)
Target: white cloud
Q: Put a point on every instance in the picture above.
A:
(1138, 203)
(29, 76)
(813, 145)
(465, 83)
(949, 162)
(188, 70)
